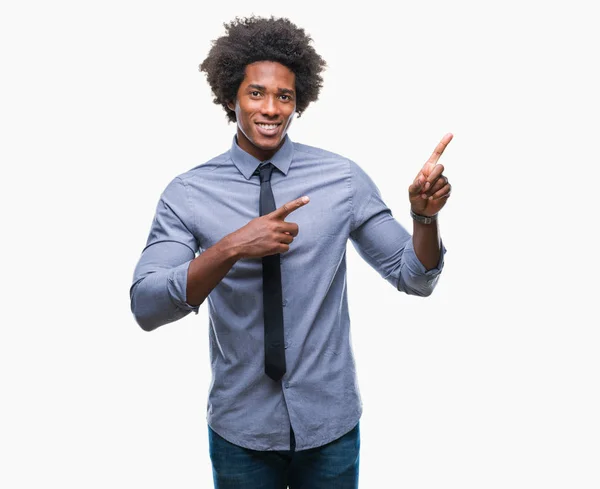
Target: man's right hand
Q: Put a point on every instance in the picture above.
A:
(269, 234)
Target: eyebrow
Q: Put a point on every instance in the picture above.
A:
(263, 88)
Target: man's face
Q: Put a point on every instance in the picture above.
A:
(264, 107)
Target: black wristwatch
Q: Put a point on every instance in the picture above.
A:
(423, 219)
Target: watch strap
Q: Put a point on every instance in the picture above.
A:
(423, 219)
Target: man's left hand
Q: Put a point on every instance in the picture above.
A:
(430, 190)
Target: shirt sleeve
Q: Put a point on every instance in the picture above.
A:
(384, 243)
(158, 292)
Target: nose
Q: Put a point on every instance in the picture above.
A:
(269, 107)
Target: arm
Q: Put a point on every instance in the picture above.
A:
(388, 247)
(265, 235)
(412, 264)
(169, 282)
(427, 243)
(428, 194)
(158, 293)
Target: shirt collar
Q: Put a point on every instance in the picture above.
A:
(247, 164)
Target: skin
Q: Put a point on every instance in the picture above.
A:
(262, 236)
(428, 194)
(267, 95)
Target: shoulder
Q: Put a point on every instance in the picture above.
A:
(337, 162)
(195, 177)
(326, 160)
(205, 169)
(317, 153)
(312, 152)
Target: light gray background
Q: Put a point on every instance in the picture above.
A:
(492, 382)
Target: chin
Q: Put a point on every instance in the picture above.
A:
(269, 144)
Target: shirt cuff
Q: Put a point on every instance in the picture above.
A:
(413, 277)
(414, 264)
(177, 285)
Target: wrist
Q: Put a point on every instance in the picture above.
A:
(230, 249)
(423, 219)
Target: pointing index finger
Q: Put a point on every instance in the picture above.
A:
(286, 209)
(439, 149)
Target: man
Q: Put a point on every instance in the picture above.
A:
(283, 406)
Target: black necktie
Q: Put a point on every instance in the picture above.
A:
(272, 296)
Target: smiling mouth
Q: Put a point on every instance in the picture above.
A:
(267, 129)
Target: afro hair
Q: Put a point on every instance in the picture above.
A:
(253, 39)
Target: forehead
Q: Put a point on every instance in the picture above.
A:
(269, 74)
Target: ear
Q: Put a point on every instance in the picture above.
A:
(231, 105)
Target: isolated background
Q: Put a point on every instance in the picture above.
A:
(492, 382)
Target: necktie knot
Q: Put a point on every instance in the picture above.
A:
(265, 171)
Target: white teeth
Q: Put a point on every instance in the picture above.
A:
(268, 126)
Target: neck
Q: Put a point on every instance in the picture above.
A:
(259, 153)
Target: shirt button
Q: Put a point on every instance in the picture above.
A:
(284, 303)
(286, 385)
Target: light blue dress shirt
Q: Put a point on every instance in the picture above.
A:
(318, 395)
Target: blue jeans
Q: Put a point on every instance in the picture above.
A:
(331, 466)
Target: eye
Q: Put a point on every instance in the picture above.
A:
(255, 93)
(285, 98)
